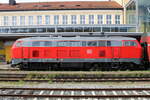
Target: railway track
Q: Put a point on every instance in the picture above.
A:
(75, 93)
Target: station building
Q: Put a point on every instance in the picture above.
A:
(41, 18)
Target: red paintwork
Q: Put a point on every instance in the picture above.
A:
(16, 51)
(78, 52)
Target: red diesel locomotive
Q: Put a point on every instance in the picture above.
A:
(76, 52)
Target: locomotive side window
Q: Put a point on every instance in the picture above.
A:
(62, 43)
(75, 43)
(92, 43)
(108, 43)
(26, 44)
(47, 43)
(114, 43)
(35, 43)
(102, 43)
(130, 43)
(83, 43)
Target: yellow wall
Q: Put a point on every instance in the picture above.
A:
(8, 53)
(8, 45)
(5, 51)
(2, 52)
(122, 2)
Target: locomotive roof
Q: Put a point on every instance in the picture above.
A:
(75, 38)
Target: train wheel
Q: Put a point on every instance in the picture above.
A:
(133, 67)
(123, 67)
(22, 67)
(49, 67)
(95, 67)
(146, 66)
(116, 66)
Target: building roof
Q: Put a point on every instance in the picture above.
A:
(77, 5)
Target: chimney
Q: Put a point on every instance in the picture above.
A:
(12, 2)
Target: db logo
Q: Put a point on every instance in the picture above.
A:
(89, 51)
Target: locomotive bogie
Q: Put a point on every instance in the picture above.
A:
(78, 66)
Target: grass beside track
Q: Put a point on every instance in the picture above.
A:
(51, 75)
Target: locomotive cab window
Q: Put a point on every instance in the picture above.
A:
(19, 44)
(130, 43)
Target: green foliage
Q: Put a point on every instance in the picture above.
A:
(54, 75)
(21, 82)
(50, 81)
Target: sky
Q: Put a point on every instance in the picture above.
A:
(6, 1)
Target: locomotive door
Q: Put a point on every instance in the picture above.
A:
(116, 52)
(116, 48)
(25, 52)
(62, 49)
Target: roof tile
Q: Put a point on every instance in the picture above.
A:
(62, 5)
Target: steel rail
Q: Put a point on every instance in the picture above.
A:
(74, 80)
(79, 89)
(76, 96)
(22, 75)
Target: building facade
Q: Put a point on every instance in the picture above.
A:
(61, 13)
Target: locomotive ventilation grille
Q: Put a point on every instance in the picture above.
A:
(68, 53)
(35, 53)
(102, 53)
